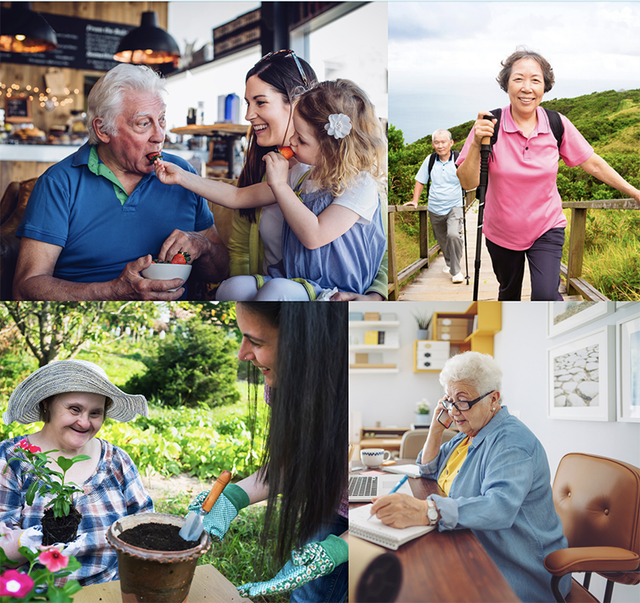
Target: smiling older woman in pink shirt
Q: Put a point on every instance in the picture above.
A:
(523, 209)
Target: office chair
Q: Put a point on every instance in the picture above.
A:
(598, 501)
(412, 443)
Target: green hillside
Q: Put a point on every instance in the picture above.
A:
(610, 121)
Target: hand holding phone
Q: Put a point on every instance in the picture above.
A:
(446, 420)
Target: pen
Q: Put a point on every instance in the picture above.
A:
(395, 489)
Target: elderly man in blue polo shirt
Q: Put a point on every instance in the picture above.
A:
(95, 219)
(445, 201)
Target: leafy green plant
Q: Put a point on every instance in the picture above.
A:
(47, 478)
(194, 366)
(37, 583)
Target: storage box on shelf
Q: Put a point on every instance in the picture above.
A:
(483, 319)
(430, 356)
(369, 339)
(388, 438)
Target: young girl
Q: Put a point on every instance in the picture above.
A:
(335, 237)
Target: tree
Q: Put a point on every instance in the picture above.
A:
(196, 364)
(58, 330)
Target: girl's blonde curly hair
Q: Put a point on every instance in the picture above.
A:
(364, 149)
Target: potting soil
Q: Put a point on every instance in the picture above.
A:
(60, 529)
(156, 537)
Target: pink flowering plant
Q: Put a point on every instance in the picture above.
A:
(35, 580)
(48, 480)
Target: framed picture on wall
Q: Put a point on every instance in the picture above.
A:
(582, 378)
(628, 369)
(568, 315)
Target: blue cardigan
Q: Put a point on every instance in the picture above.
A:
(503, 495)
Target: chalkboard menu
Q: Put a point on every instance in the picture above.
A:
(82, 44)
(17, 109)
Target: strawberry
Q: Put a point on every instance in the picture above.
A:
(286, 152)
(181, 258)
(153, 156)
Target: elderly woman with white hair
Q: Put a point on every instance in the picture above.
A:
(495, 476)
(72, 398)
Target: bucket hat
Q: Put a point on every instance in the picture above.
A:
(62, 376)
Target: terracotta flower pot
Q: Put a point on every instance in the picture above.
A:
(154, 576)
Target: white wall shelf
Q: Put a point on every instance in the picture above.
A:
(362, 371)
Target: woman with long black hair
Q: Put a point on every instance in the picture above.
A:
(271, 87)
(301, 349)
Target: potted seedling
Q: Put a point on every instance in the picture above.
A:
(423, 321)
(61, 519)
(423, 413)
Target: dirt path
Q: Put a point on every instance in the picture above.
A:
(160, 487)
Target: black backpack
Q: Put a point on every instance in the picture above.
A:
(557, 127)
(432, 161)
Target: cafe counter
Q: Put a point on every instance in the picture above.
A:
(23, 161)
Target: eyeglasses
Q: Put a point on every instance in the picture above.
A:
(283, 54)
(463, 404)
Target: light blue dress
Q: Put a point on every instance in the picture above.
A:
(350, 262)
(503, 494)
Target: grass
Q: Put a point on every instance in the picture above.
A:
(238, 555)
(611, 252)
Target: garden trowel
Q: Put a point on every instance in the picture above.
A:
(193, 526)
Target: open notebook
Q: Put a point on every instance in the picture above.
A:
(375, 531)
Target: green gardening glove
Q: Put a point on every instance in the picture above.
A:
(224, 511)
(313, 560)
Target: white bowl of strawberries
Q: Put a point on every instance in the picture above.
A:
(178, 267)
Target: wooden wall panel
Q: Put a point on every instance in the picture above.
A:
(116, 12)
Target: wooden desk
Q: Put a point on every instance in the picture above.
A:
(448, 566)
(208, 586)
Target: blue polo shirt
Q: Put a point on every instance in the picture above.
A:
(445, 192)
(503, 494)
(99, 233)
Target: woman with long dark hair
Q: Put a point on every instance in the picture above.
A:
(301, 350)
(271, 87)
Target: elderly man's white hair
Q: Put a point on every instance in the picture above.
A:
(106, 99)
(480, 371)
(441, 131)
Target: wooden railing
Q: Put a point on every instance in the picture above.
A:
(572, 272)
(395, 276)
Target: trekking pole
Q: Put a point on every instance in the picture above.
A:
(485, 151)
(464, 226)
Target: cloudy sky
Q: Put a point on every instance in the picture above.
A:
(444, 56)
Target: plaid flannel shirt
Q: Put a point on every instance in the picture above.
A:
(113, 491)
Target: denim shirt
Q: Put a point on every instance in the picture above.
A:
(503, 495)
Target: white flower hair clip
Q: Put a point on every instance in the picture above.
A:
(339, 125)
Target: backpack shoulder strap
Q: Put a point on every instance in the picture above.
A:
(557, 127)
(432, 162)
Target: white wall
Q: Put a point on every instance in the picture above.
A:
(390, 398)
(521, 349)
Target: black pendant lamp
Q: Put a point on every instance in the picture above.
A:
(22, 30)
(147, 44)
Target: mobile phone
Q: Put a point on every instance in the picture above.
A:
(448, 420)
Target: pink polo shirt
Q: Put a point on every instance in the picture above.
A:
(522, 201)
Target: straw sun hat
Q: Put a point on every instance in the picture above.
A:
(64, 376)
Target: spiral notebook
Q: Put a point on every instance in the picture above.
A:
(375, 531)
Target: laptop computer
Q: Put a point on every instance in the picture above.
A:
(362, 488)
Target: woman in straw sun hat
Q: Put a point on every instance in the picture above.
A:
(72, 398)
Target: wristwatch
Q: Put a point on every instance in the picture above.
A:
(432, 512)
